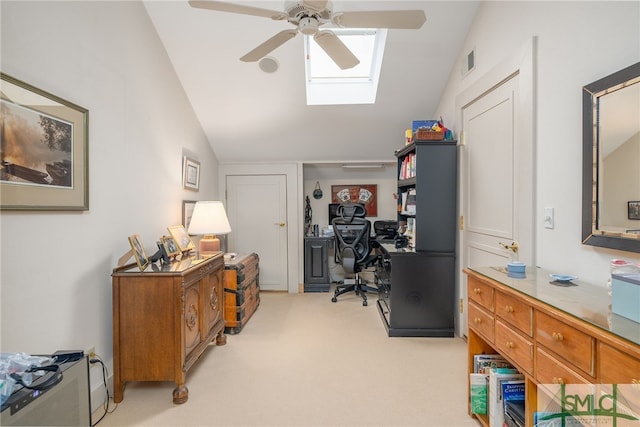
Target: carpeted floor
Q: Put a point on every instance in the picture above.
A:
(302, 360)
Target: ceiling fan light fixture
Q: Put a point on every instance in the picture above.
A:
(269, 64)
(308, 26)
(308, 16)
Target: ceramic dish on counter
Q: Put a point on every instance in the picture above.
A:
(564, 278)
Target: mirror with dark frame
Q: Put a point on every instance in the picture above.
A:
(611, 161)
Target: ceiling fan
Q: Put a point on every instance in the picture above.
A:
(309, 15)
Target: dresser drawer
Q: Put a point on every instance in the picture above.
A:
(481, 293)
(570, 344)
(616, 367)
(514, 346)
(515, 312)
(549, 370)
(481, 321)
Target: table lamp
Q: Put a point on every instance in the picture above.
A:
(209, 219)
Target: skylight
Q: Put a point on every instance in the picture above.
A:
(327, 84)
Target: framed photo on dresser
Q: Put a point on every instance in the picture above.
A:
(138, 251)
(181, 237)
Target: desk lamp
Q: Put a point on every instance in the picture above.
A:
(209, 219)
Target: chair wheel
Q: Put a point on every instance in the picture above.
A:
(334, 299)
(364, 303)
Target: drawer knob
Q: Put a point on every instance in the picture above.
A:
(508, 309)
(477, 320)
(510, 344)
(557, 336)
(476, 291)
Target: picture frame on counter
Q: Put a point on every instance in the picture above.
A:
(181, 237)
(138, 251)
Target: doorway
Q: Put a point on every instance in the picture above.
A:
(497, 191)
(256, 205)
(260, 202)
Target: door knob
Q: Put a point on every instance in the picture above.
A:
(281, 224)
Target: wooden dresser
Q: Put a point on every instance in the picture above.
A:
(164, 319)
(552, 334)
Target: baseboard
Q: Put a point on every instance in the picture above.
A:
(98, 392)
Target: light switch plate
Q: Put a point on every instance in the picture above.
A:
(548, 218)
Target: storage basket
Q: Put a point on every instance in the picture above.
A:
(428, 135)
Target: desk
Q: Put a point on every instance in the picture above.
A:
(316, 264)
(416, 296)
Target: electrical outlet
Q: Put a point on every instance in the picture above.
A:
(91, 352)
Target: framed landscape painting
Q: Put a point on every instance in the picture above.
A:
(44, 156)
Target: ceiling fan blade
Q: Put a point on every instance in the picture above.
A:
(222, 6)
(400, 19)
(268, 46)
(337, 51)
(315, 5)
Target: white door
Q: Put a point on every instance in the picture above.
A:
(257, 210)
(496, 186)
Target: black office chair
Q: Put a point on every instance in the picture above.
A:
(353, 248)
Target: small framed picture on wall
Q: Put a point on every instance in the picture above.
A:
(191, 174)
(187, 211)
(633, 209)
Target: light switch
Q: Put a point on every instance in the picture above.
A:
(548, 218)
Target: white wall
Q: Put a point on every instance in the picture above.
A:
(577, 43)
(106, 57)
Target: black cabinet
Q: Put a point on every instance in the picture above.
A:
(316, 264)
(418, 283)
(418, 293)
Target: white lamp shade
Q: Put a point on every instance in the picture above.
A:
(209, 218)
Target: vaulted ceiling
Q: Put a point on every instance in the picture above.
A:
(250, 115)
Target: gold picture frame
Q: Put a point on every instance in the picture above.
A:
(56, 178)
(181, 237)
(170, 246)
(138, 251)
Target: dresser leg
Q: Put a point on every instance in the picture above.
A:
(221, 339)
(180, 394)
(118, 391)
